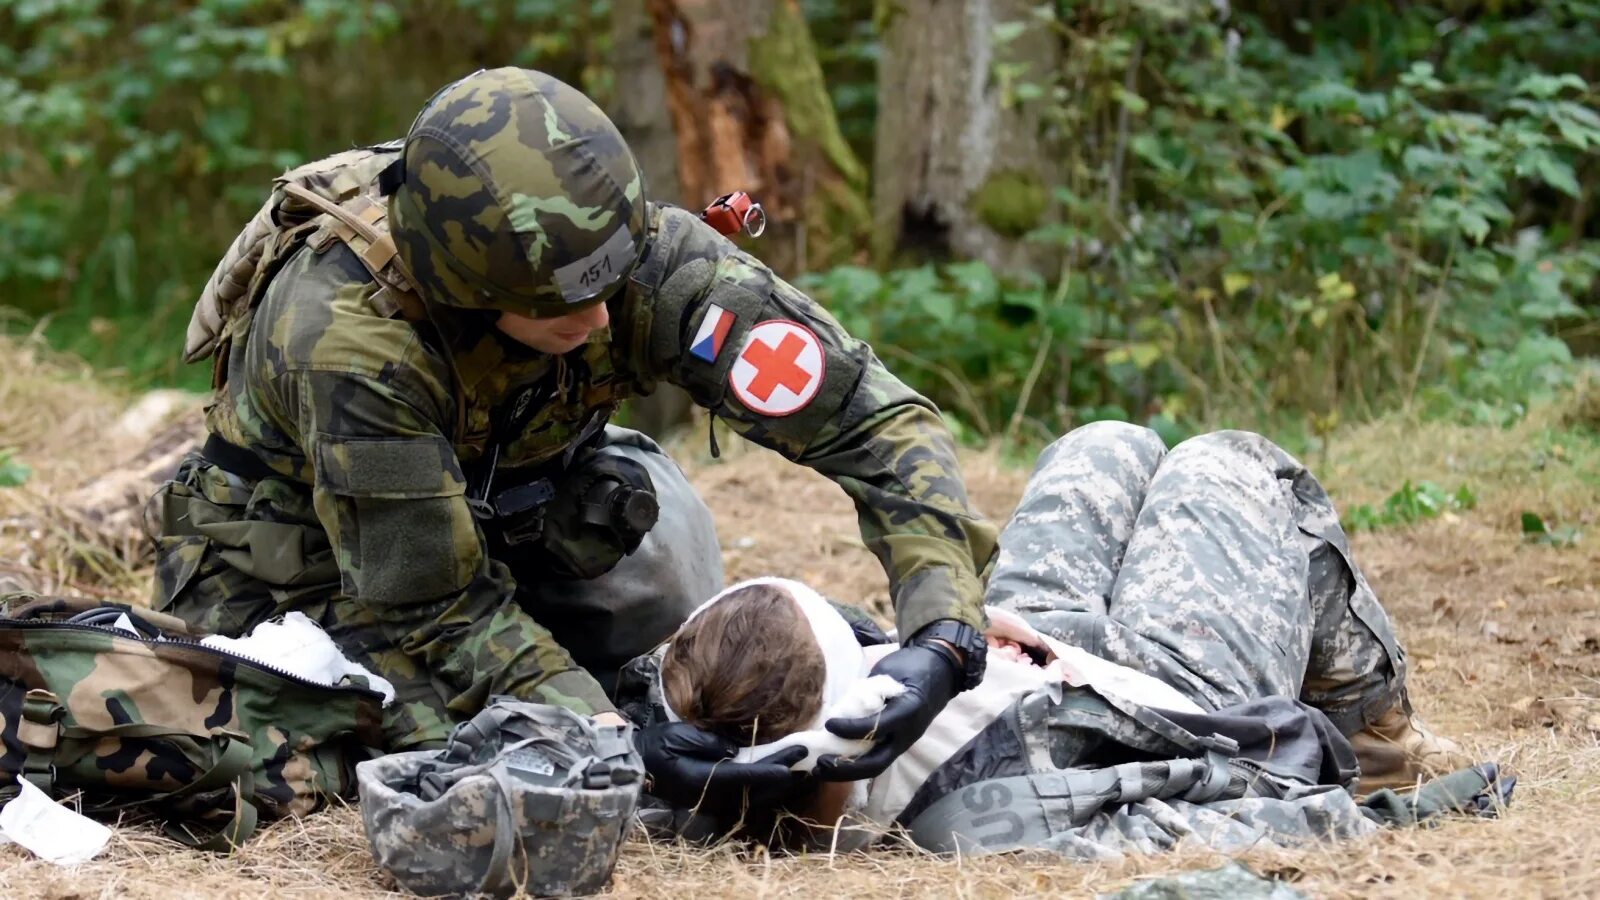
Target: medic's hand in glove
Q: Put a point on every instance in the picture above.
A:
(690, 767)
(931, 676)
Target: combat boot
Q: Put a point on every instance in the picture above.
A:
(1399, 751)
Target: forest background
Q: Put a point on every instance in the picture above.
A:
(1178, 212)
(1358, 225)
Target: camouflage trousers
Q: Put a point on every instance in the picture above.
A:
(1218, 567)
(234, 553)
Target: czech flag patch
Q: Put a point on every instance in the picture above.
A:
(713, 332)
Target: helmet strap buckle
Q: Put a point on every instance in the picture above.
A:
(392, 176)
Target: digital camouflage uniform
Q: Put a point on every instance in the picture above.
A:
(373, 419)
(1219, 568)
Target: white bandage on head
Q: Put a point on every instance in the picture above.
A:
(846, 692)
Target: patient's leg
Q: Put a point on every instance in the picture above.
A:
(1235, 582)
(1357, 670)
(1238, 583)
(1219, 568)
(1212, 597)
(1060, 553)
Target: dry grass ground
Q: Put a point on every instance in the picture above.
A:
(1504, 636)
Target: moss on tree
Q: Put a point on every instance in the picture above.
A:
(1010, 201)
(783, 62)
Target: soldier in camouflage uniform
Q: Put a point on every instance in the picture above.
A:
(408, 334)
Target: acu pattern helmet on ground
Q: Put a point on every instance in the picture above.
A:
(525, 797)
(517, 194)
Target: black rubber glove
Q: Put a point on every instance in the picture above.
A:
(931, 679)
(690, 767)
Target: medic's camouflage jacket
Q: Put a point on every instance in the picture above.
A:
(332, 385)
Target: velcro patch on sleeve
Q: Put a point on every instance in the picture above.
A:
(730, 308)
(389, 468)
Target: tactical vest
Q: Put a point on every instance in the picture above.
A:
(338, 199)
(331, 198)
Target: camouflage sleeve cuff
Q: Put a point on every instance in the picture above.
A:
(576, 690)
(939, 592)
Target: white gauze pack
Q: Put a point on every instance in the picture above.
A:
(847, 690)
(300, 647)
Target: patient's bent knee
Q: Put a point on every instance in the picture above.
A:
(1107, 434)
(1230, 443)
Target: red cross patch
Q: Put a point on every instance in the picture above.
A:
(779, 371)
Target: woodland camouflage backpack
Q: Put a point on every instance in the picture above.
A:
(155, 725)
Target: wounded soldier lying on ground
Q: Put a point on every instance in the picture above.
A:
(1180, 648)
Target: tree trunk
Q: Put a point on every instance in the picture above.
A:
(961, 168)
(752, 113)
(640, 111)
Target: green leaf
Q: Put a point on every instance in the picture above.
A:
(1421, 160)
(1578, 125)
(1142, 354)
(1006, 32)
(852, 284)
(1545, 86)
(1135, 103)
(1532, 523)
(1028, 90)
(976, 282)
(1413, 502)
(938, 305)
(1558, 174)
(1327, 96)
(1362, 517)
(1356, 171)
(12, 472)
(1327, 206)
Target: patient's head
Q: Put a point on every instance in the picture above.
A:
(746, 667)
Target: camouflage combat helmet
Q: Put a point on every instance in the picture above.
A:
(517, 194)
(525, 797)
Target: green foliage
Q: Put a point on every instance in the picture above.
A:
(1268, 211)
(847, 49)
(1536, 531)
(12, 472)
(136, 138)
(1411, 503)
(1364, 207)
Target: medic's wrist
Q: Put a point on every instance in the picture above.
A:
(960, 644)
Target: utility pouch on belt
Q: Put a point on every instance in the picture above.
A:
(576, 524)
(121, 707)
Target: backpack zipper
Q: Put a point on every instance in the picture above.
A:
(190, 643)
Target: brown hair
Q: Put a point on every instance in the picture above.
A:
(746, 668)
